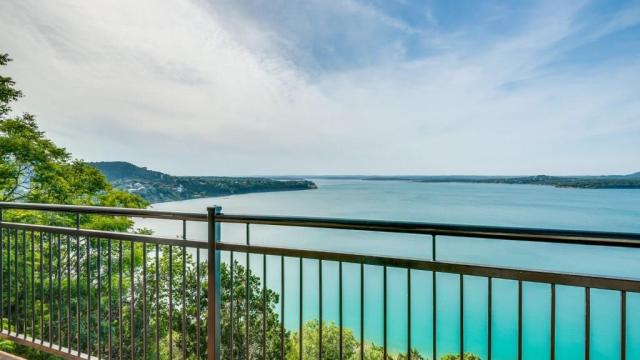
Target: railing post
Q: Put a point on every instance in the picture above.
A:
(213, 285)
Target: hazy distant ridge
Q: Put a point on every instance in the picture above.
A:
(630, 181)
(156, 186)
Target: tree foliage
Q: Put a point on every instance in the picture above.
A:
(34, 169)
(8, 93)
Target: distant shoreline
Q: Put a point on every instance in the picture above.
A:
(631, 181)
(575, 182)
(236, 193)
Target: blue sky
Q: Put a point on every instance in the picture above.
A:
(244, 87)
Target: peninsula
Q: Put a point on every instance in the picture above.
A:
(157, 187)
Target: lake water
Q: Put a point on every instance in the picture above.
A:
(481, 204)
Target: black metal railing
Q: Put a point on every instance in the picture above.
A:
(82, 293)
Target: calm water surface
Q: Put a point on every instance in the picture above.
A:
(481, 204)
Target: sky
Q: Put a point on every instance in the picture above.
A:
(257, 87)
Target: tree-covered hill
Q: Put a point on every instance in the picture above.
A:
(119, 170)
(157, 187)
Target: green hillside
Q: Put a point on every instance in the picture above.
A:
(157, 187)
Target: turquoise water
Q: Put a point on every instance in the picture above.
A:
(483, 204)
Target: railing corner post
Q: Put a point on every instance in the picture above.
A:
(213, 285)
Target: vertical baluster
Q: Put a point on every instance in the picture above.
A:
(489, 317)
(587, 323)
(68, 303)
(99, 295)
(120, 317)
(340, 323)
(24, 284)
(133, 302)
(434, 294)
(18, 279)
(552, 334)
(88, 242)
(144, 300)
(33, 285)
(362, 311)
(59, 276)
(50, 290)
(246, 302)
(109, 291)
(409, 314)
(461, 316)
(56, 307)
(232, 317)
(623, 325)
(520, 320)
(264, 307)
(213, 284)
(247, 305)
(16, 292)
(384, 311)
(320, 309)
(157, 289)
(198, 286)
(184, 291)
(13, 270)
(170, 302)
(9, 302)
(41, 263)
(16, 282)
(282, 289)
(301, 324)
(78, 343)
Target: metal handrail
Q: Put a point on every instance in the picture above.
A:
(99, 234)
(458, 230)
(600, 238)
(111, 211)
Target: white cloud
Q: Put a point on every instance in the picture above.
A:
(170, 85)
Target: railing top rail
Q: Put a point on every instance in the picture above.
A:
(100, 234)
(103, 210)
(602, 238)
(489, 232)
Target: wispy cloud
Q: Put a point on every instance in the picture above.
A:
(243, 87)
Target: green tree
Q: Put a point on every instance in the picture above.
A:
(330, 342)
(8, 93)
(32, 167)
